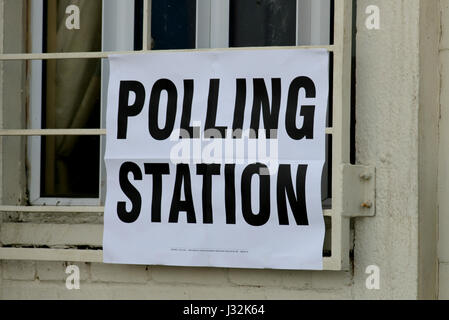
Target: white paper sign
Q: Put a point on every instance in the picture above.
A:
(242, 187)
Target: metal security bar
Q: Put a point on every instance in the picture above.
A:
(340, 131)
(103, 54)
(341, 109)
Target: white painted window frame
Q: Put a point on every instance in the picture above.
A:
(340, 131)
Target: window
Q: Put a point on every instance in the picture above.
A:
(66, 93)
(60, 65)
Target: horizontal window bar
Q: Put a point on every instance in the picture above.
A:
(75, 255)
(52, 132)
(67, 132)
(77, 209)
(86, 55)
(68, 209)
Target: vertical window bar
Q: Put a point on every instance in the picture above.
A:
(35, 117)
(146, 25)
(49, 121)
(341, 114)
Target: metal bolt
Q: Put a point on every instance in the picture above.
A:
(366, 204)
(365, 176)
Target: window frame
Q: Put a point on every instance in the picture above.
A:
(340, 130)
(117, 35)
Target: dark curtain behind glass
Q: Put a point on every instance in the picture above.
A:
(262, 23)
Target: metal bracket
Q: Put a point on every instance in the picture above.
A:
(358, 191)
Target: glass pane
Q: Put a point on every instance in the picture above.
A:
(71, 99)
(173, 24)
(73, 172)
(262, 23)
